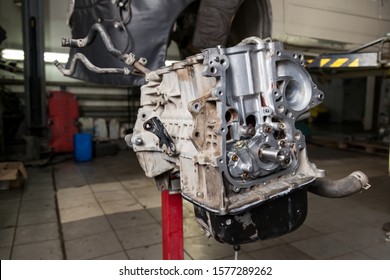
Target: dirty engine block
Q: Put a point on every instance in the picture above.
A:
(223, 122)
(219, 128)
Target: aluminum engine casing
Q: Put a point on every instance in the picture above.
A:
(224, 120)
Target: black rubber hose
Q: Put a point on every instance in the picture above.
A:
(349, 185)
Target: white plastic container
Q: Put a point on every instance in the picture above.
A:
(113, 129)
(100, 129)
(86, 125)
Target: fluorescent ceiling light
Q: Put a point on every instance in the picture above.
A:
(52, 56)
(18, 55)
(10, 54)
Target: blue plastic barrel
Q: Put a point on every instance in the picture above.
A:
(82, 146)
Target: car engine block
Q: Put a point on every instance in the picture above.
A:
(223, 122)
(219, 127)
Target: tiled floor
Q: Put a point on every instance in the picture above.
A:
(107, 209)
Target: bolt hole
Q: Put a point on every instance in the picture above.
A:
(251, 121)
(196, 106)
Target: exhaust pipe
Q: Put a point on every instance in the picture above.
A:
(353, 183)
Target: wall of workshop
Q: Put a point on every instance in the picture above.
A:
(334, 97)
(345, 99)
(95, 101)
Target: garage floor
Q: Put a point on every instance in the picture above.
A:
(107, 209)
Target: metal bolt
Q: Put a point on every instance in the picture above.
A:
(281, 126)
(138, 141)
(245, 175)
(267, 129)
(287, 161)
(239, 144)
(148, 126)
(282, 143)
(235, 157)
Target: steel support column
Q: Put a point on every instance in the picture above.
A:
(34, 67)
(172, 226)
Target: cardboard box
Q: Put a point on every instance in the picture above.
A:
(12, 175)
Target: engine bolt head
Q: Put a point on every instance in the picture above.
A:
(239, 144)
(148, 126)
(245, 175)
(287, 161)
(281, 126)
(200, 194)
(138, 141)
(267, 129)
(235, 157)
(282, 143)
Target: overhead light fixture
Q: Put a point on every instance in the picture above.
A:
(52, 56)
(18, 55)
(11, 54)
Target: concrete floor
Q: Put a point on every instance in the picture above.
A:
(107, 209)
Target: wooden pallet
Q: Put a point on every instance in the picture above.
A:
(348, 144)
(371, 148)
(329, 142)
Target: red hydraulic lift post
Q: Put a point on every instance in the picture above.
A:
(172, 225)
